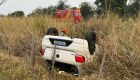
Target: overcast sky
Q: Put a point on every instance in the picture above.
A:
(28, 5)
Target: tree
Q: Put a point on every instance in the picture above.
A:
(1, 15)
(61, 5)
(51, 10)
(116, 6)
(86, 10)
(44, 11)
(40, 11)
(133, 9)
(100, 6)
(2, 1)
(16, 14)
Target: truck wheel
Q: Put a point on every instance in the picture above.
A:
(52, 31)
(91, 39)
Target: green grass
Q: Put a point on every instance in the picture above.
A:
(2, 76)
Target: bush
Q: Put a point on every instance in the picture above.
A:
(17, 14)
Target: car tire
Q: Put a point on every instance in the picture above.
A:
(52, 31)
(91, 39)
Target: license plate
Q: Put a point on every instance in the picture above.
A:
(60, 43)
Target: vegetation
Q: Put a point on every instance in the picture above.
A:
(44, 11)
(118, 7)
(62, 5)
(133, 9)
(17, 14)
(118, 37)
(102, 7)
(86, 10)
(2, 76)
(2, 1)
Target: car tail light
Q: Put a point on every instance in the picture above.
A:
(80, 58)
(42, 51)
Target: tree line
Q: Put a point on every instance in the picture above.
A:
(100, 7)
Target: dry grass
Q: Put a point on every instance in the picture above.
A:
(119, 38)
(17, 68)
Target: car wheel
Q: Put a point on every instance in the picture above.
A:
(91, 39)
(52, 31)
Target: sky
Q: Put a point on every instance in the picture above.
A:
(29, 5)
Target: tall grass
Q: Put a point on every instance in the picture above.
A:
(119, 38)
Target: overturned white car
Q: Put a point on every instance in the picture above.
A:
(67, 53)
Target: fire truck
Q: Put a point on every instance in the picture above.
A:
(74, 15)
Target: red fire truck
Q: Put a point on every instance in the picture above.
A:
(73, 14)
